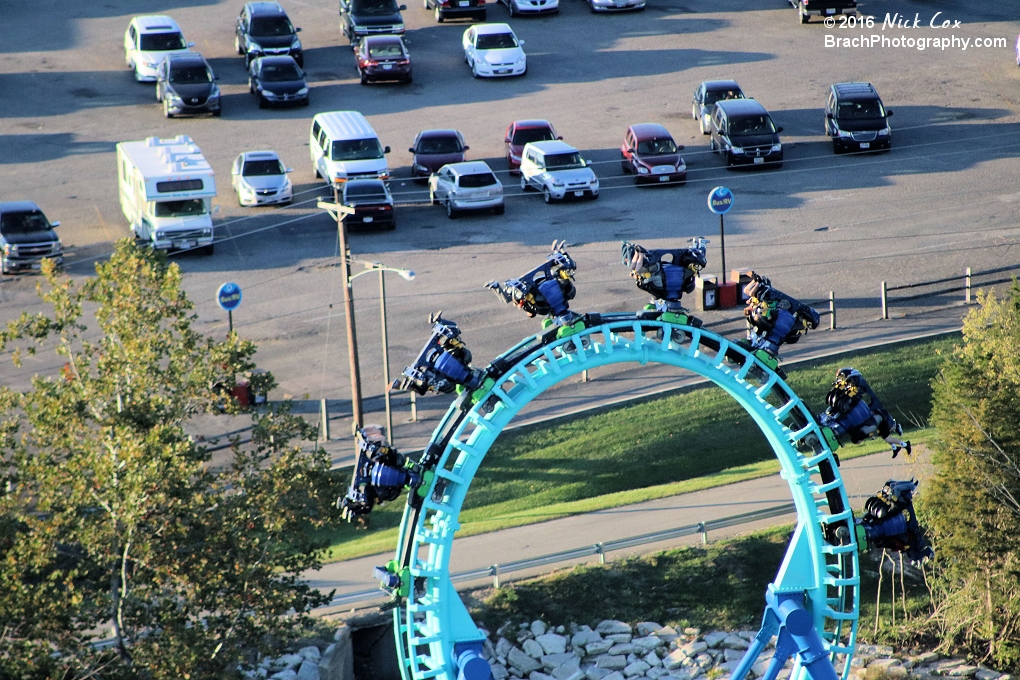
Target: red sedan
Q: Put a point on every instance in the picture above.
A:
(383, 57)
(522, 132)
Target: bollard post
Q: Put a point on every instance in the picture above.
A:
(414, 408)
(966, 285)
(601, 552)
(885, 302)
(704, 533)
(323, 421)
(494, 570)
(584, 375)
(832, 311)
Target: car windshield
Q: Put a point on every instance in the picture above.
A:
(713, 96)
(563, 161)
(162, 42)
(374, 7)
(271, 27)
(656, 146)
(262, 168)
(439, 145)
(186, 208)
(365, 192)
(385, 51)
(356, 150)
(482, 179)
(861, 110)
(752, 125)
(496, 41)
(524, 136)
(190, 74)
(281, 72)
(23, 222)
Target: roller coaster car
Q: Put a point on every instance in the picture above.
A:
(546, 290)
(666, 274)
(855, 412)
(443, 364)
(889, 522)
(775, 317)
(381, 473)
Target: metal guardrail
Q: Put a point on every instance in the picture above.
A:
(967, 288)
(496, 570)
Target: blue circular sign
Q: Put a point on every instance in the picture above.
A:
(720, 200)
(228, 297)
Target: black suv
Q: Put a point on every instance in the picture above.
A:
(26, 238)
(743, 132)
(186, 84)
(359, 18)
(263, 29)
(856, 119)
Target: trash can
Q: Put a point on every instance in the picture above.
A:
(741, 277)
(728, 295)
(706, 293)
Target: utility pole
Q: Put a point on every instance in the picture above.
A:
(352, 334)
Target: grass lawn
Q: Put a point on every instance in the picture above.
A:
(659, 447)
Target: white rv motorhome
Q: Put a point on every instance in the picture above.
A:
(166, 192)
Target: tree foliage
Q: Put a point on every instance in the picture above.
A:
(112, 522)
(972, 506)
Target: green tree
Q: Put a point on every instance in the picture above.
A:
(112, 519)
(972, 506)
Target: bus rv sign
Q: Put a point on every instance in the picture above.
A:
(720, 200)
(229, 297)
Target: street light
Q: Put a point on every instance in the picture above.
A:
(407, 275)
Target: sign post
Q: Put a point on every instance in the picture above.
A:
(228, 297)
(720, 200)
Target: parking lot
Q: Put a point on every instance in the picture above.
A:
(944, 198)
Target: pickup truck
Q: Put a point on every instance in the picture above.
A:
(823, 8)
(27, 238)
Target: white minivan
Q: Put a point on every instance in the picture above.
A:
(344, 146)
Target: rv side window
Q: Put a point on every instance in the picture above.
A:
(169, 187)
(324, 142)
(315, 130)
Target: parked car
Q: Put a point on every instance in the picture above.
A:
(277, 80)
(433, 149)
(650, 153)
(372, 203)
(457, 9)
(27, 238)
(492, 50)
(823, 8)
(359, 18)
(518, 7)
(466, 186)
(264, 29)
(521, 132)
(743, 133)
(615, 5)
(706, 96)
(382, 57)
(856, 119)
(260, 178)
(186, 84)
(558, 171)
(147, 40)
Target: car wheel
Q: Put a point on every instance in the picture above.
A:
(705, 129)
(425, 4)
(262, 100)
(591, 6)
(364, 78)
(451, 212)
(3, 266)
(304, 102)
(439, 15)
(218, 112)
(711, 144)
(594, 196)
(694, 111)
(432, 198)
(524, 183)
(474, 71)
(510, 7)
(836, 148)
(484, 14)
(499, 209)
(547, 195)
(237, 44)
(408, 80)
(729, 159)
(251, 87)
(804, 17)
(209, 249)
(166, 108)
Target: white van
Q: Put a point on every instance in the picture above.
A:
(344, 146)
(166, 192)
(147, 40)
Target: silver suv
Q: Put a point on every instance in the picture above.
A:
(27, 238)
(558, 171)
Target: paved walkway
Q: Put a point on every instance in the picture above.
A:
(862, 477)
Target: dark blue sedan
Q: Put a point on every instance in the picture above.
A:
(277, 80)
